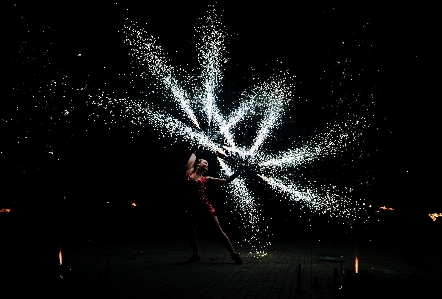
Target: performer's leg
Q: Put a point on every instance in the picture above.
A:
(226, 242)
(193, 241)
(222, 236)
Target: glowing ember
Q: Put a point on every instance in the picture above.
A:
(356, 265)
(385, 208)
(134, 204)
(5, 210)
(435, 215)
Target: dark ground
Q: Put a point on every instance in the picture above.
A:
(133, 253)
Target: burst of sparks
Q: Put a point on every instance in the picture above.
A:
(198, 119)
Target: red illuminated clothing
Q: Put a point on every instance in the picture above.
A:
(199, 204)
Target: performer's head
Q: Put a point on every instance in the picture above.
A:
(201, 165)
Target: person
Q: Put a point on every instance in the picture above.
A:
(199, 206)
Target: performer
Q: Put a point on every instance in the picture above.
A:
(199, 206)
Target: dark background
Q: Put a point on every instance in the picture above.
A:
(60, 154)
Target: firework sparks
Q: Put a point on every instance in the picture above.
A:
(198, 119)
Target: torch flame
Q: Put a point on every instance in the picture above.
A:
(435, 215)
(60, 258)
(385, 208)
(356, 265)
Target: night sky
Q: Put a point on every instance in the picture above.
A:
(59, 149)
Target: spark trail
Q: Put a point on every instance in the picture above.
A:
(197, 117)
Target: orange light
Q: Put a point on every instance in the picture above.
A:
(60, 257)
(356, 265)
(134, 204)
(435, 215)
(385, 208)
(5, 210)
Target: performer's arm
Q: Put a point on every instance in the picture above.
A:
(218, 181)
(191, 161)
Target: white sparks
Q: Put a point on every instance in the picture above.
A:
(198, 119)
